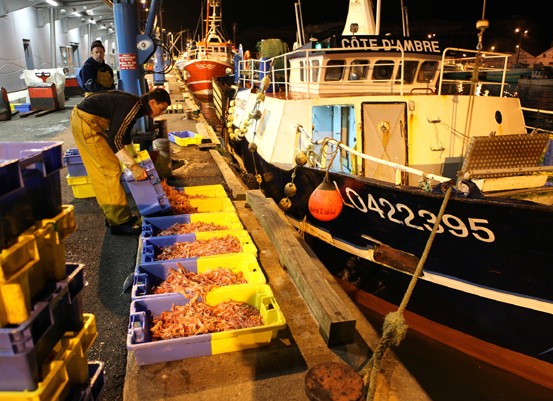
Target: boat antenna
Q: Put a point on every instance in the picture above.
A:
(404, 19)
(300, 34)
(481, 25)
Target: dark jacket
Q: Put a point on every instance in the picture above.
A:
(89, 76)
(122, 109)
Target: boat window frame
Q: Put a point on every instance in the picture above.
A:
(381, 70)
(409, 73)
(354, 65)
(423, 74)
(332, 68)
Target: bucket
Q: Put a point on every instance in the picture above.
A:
(163, 160)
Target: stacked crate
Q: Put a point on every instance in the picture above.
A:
(77, 177)
(215, 207)
(44, 334)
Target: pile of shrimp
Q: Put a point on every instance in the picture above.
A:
(206, 247)
(189, 283)
(200, 318)
(179, 201)
(187, 228)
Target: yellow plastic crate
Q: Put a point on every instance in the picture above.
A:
(54, 387)
(87, 334)
(50, 266)
(185, 138)
(16, 263)
(207, 205)
(211, 191)
(81, 186)
(64, 223)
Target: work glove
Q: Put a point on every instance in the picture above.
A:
(138, 172)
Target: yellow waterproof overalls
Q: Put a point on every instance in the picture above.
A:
(103, 78)
(102, 166)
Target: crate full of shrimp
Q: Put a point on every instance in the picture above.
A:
(190, 224)
(197, 199)
(227, 320)
(196, 275)
(177, 248)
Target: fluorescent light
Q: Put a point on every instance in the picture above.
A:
(53, 3)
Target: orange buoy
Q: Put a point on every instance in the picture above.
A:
(325, 203)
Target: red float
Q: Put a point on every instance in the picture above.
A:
(325, 203)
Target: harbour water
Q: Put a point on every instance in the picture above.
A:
(537, 97)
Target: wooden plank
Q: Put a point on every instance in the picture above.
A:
(207, 132)
(235, 186)
(336, 324)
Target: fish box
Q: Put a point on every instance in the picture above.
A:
(148, 194)
(25, 347)
(210, 205)
(151, 275)
(146, 351)
(152, 226)
(95, 387)
(184, 138)
(207, 191)
(74, 163)
(39, 164)
(152, 246)
(81, 187)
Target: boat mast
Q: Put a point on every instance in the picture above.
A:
(300, 34)
(360, 15)
(404, 19)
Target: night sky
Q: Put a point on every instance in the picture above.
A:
(425, 16)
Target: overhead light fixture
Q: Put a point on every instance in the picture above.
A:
(89, 12)
(91, 20)
(76, 13)
(53, 3)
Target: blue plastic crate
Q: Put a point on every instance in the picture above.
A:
(184, 138)
(16, 212)
(39, 164)
(152, 226)
(93, 391)
(148, 195)
(72, 159)
(25, 347)
(146, 351)
(151, 275)
(152, 246)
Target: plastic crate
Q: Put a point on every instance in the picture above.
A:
(212, 205)
(74, 163)
(151, 246)
(24, 348)
(23, 108)
(185, 138)
(64, 223)
(148, 352)
(149, 276)
(16, 211)
(210, 191)
(152, 226)
(15, 267)
(66, 372)
(81, 187)
(148, 194)
(40, 164)
(93, 391)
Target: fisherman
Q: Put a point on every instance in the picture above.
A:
(101, 125)
(95, 75)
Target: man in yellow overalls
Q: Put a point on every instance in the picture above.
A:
(95, 74)
(101, 124)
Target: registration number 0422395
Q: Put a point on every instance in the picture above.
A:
(420, 219)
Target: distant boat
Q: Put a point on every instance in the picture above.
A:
(358, 138)
(511, 76)
(540, 77)
(209, 57)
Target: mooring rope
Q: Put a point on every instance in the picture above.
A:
(394, 328)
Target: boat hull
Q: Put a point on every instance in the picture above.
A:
(477, 281)
(200, 74)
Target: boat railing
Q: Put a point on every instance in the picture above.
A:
(351, 151)
(470, 67)
(310, 77)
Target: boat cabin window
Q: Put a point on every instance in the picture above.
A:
(315, 70)
(409, 71)
(427, 71)
(358, 70)
(334, 70)
(383, 69)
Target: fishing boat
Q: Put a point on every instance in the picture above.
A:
(210, 57)
(362, 141)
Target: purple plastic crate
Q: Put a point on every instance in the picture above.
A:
(93, 391)
(72, 159)
(148, 195)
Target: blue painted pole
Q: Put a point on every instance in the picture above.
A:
(131, 73)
